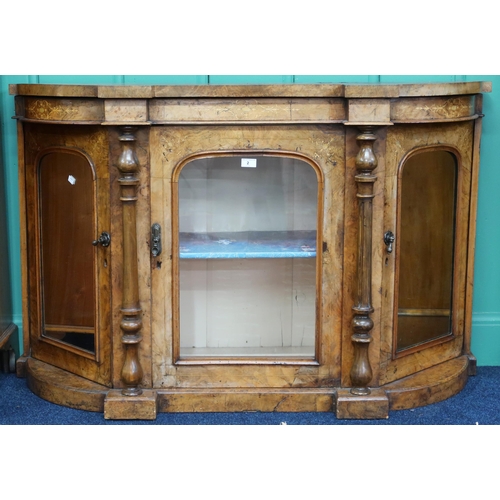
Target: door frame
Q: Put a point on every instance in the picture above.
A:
(92, 366)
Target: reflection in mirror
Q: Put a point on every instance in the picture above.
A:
(247, 257)
(426, 247)
(66, 195)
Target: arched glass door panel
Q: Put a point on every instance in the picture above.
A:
(67, 229)
(426, 248)
(247, 257)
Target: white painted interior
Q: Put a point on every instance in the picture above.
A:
(247, 307)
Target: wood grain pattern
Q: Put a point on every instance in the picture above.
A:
(63, 388)
(432, 385)
(244, 91)
(377, 111)
(51, 109)
(161, 269)
(127, 111)
(407, 110)
(374, 405)
(37, 89)
(248, 110)
(230, 400)
(472, 230)
(439, 89)
(294, 90)
(143, 406)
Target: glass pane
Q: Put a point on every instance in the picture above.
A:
(426, 234)
(67, 232)
(247, 248)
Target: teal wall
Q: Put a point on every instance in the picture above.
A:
(486, 305)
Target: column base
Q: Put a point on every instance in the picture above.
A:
(120, 407)
(372, 406)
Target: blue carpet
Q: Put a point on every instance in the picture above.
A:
(477, 404)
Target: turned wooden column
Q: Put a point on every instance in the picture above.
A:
(366, 162)
(131, 322)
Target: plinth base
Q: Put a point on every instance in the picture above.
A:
(120, 407)
(428, 386)
(371, 406)
(63, 388)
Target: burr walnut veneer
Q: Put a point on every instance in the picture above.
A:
(232, 248)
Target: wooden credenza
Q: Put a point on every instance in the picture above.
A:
(231, 248)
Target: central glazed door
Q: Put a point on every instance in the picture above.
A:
(69, 261)
(253, 229)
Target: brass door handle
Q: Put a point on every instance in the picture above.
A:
(104, 240)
